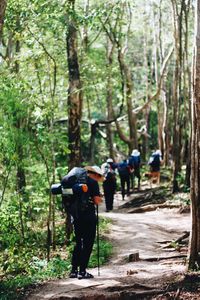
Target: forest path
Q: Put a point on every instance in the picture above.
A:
(145, 234)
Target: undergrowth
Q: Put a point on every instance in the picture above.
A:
(36, 269)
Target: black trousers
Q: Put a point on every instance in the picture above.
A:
(85, 231)
(109, 198)
(125, 181)
(136, 173)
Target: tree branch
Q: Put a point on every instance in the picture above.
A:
(163, 69)
(51, 57)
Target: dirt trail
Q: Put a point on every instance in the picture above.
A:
(145, 233)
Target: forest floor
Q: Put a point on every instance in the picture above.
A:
(150, 238)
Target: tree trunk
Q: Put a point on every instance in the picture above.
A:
(176, 97)
(110, 50)
(74, 92)
(165, 127)
(145, 138)
(194, 249)
(3, 4)
(187, 85)
(132, 118)
(85, 26)
(20, 176)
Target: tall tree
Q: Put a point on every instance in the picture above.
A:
(121, 42)
(194, 249)
(74, 91)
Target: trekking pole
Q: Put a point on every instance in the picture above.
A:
(98, 262)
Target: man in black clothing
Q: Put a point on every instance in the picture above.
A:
(109, 184)
(124, 174)
(85, 222)
(134, 163)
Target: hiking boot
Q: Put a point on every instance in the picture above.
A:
(73, 274)
(84, 275)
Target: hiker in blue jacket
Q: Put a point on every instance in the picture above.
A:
(134, 163)
(124, 175)
(155, 162)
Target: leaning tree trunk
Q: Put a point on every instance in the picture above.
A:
(164, 146)
(194, 249)
(74, 92)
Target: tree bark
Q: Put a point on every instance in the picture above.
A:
(85, 39)
(132, 141)
(194, 248)
(176, 96)
(110, 50)
(187, 93)
(74, 91)
(3, 4)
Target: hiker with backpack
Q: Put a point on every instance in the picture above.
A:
(124, 175)
(83, 183)
(134, 163)
(155, 162)
(110, 183)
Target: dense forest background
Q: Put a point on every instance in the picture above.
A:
(79, 82)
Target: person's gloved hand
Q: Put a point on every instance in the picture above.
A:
(97, 200)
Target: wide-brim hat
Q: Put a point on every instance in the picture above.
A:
(158, 152)
(96, 170)
(109, 160)
(135, 152)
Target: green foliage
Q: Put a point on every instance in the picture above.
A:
(174, 245)
(13, 288)
(33, 113)
(105, 251)
(105, 247)
(29, 266)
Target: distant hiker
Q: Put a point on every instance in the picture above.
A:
(124, 174)
(109, 184)
(134, 163)
(154, 163)
(85, 221)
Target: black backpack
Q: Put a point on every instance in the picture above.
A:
(75, 194)
(156, 161)
(123, 169)
(134, 161)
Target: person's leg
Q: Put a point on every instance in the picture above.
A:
(77, 249)
(137, 174)
(151, 180)
(128, 185)
(89, 232)
(132, 180)
(122, 181)
(111, 200)
(158, 180)
(106, 195)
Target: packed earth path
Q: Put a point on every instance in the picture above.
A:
(144, 261)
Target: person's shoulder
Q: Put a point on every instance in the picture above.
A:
(91, 181)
